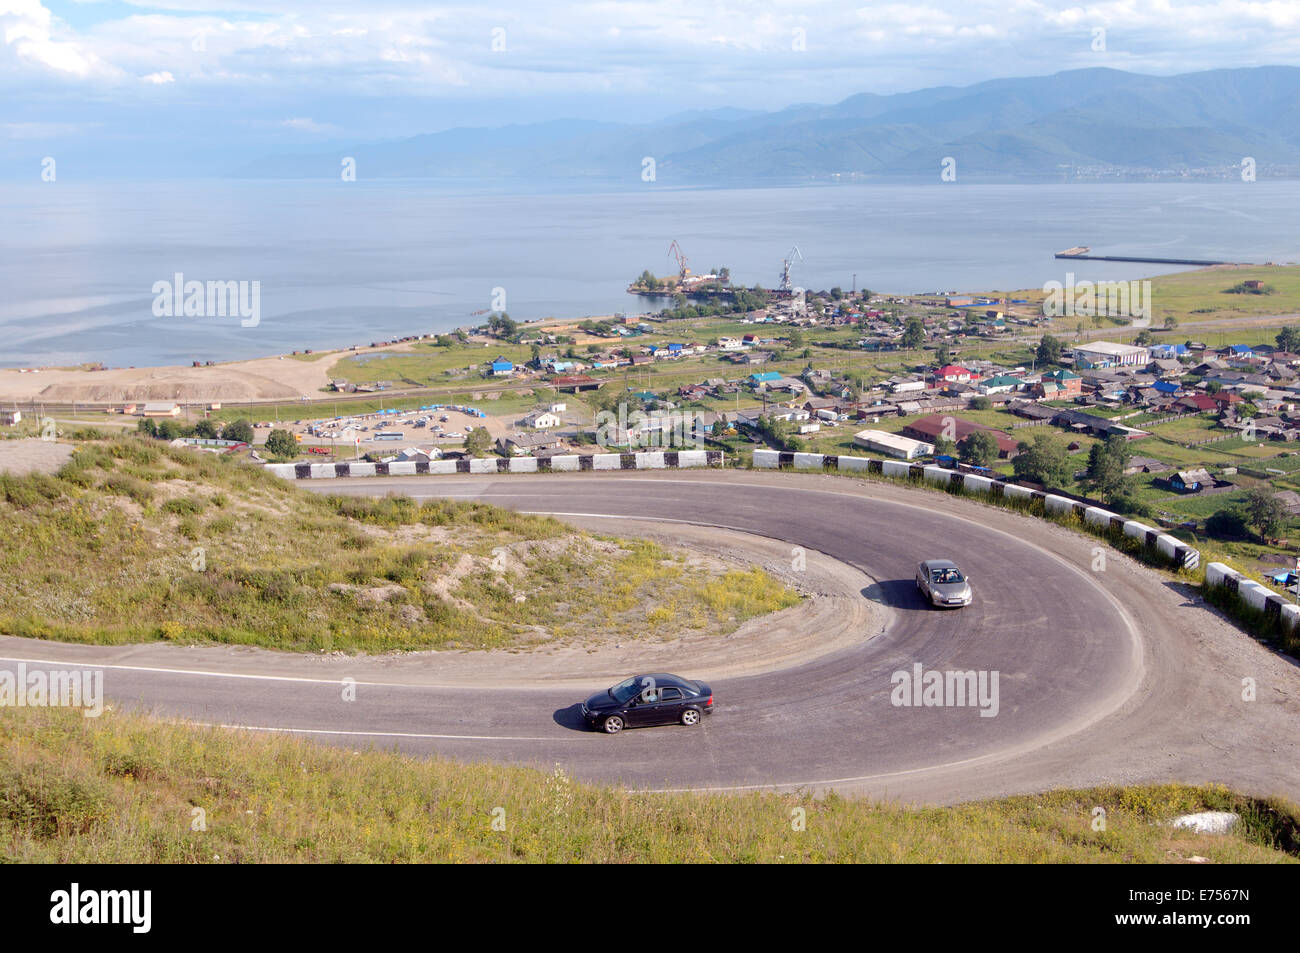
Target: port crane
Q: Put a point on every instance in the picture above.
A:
(675, 251)
(791, 257)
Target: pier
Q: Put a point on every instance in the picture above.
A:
(1081, 253)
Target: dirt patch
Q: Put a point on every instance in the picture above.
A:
(21, 457)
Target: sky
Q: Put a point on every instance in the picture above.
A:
(196, 83)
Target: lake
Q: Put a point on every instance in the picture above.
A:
(347, 263)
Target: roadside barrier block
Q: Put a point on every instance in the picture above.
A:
(567, 463)
(977, 484)
(767, 459)
(939, 475)
(1058, 505)
(654, 460)
(1096, 516)
(809, 461)
(524, 465)
(853, 463)
(322, 471)
(896, 468)
(1254, 594)
(607, 461)
(1013, 491)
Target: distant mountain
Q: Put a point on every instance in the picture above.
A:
(1094, 123)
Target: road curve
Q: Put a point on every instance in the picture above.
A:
(1095, 681)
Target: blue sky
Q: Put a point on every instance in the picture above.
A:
(193, 81)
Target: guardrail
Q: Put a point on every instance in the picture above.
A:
(563, 463)
(1153, 541)
(1254, 595)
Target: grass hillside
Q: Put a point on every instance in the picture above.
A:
(135, 541)
(127, 789)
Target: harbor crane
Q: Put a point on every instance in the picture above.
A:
(794, 255)
(675, 251)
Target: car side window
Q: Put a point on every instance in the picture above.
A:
(672, 694)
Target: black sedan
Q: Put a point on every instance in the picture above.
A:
(648, 700)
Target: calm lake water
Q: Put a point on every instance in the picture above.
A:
(348, 263)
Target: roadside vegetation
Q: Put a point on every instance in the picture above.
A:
(136, 541)
(124, 788)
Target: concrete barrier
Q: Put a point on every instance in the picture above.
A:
(1254, 594)
(566, 463)
(1156, 543)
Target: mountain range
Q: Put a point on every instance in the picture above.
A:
(1079, 124)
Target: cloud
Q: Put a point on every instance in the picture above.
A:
(159, 79)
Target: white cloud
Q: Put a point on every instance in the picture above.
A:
(159, 78)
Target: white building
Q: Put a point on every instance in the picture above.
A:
(541, 420)
(1110, 354)
(892, 444)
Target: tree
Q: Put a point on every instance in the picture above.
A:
(1044, 460)
(1049, 350)
(240, 430)
(1265, 512)
(795, 338)
(945, 446)
(1106, 464)
(981, 403)
(478, 442)
(1227, 524)
(147, 427)
(1144, 338)
(1171, 322)
(914, 334)
(943, 355)
(980, 448)
(280, 443)
(167, 430)
(1288, 339)
(837, 292)
(205, 428)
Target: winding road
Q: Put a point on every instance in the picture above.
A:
(1106, 674)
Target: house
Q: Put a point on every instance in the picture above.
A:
(1070, 383)
(521, 444)
(541, 420)
(1110, 354)
(10, 417)
(161, 409)
(501, 367)
(757, 357)
(1167, 351)
(1191, 481)
(418, 454)
(952, 374)
(1196, 403)
(1165, 367)
(764, 377)
(931, 427)
(1000, 384)
(1146, 465)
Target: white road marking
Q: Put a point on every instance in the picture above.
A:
(72, 663)
(375, 734)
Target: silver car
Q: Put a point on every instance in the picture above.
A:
(943, 583)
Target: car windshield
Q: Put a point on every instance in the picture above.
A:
(945, 576)
(624, 690)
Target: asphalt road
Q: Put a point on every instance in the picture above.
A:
(1107, 676)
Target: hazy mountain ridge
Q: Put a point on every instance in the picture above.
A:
(1081, 123)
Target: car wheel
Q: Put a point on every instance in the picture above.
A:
(613, 725)
(690, 717)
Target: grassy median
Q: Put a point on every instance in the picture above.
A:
(134, 540)
(127, 789)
